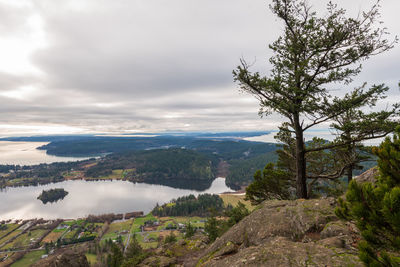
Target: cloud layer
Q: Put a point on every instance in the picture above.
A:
(115, 66)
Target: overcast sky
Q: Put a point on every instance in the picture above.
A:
(85, 66)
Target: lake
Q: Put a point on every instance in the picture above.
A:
(25, 153)
(92, 197)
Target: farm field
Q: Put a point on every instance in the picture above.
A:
(149, 231)
(8, 228)
(137, 222)
(26, 239)
(9, 237)
(29, 258)
(52, 236)
(118, 228)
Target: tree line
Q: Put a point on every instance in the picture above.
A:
(190, 206)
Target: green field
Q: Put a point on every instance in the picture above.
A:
(194, 221)
(10, 236)
(140, 221)
(26, 239)
(115, 175)
(71, 234)
(29, 258)
(115, 229)
(80, 222)
(10, 227)
(147, 245)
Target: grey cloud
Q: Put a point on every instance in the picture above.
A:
(147, 49)
(10, 82)
(155, 65)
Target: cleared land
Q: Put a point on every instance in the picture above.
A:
(29, 259)
(52, 236)
(9, 237)
(118, 229)
(26, 239)
(233, 199)
(115, 175)
(9, 228)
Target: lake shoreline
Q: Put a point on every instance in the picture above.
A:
(93, 197)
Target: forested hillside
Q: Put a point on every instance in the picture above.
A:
(159, 164)
(241, 171)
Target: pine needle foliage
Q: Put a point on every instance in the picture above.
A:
(375, 208)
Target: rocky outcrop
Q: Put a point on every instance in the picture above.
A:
(287, 233)
(368, 176)
(68, 258)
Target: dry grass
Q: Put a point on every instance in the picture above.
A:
(52, 237)
(234, 199)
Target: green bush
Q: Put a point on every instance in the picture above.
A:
(376, 208)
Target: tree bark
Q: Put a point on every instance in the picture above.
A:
(349, 173)
(301, 178)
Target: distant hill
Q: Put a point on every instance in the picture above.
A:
(225, 148)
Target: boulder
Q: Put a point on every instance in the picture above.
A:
(158, 261)
(286, 233)
(281, 251)
(336, 228)
(368, 176)
(292, 219)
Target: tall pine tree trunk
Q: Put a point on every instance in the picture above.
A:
(301, 179)
(349, 173)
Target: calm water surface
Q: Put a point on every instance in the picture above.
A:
(95, 197)
(25, 153)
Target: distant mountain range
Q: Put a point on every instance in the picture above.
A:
(51, 138)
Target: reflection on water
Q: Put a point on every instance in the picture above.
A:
(25, 153)
(96, 197)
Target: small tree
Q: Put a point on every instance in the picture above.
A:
(271, 183)
(171, 238)
(356, 124)
(312, 53)
(134, 253)
(376, 208)
(236, 214)
(190, 230)
(211, 227)
(134, 248)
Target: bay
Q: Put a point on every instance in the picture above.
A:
(26, 153)
(92, 197)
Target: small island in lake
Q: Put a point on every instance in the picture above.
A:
(52, 195)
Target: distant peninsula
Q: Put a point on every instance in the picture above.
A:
(52, 195)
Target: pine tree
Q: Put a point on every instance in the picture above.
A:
(134, 249)
(211, 227)
(376, 208)
(312, 53)
(236, 214)
(271, 183)
(116, 257)
(190, 230)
